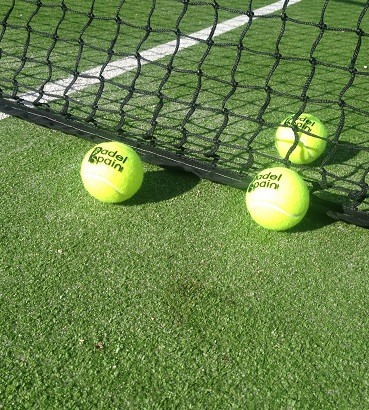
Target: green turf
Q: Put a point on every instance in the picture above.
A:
(175, 299)
(164, 110)
(61, 41)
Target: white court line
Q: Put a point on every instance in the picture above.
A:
(116, 68)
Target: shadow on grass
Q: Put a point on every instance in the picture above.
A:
(357, 3)
(316, 218)
(162, 185)
(313, 220)
(345, 152)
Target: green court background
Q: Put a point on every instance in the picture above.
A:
(175, 299)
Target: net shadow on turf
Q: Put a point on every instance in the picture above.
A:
(206, 99)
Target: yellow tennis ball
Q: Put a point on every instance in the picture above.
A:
(277, 198)
(112, 172)
(309, 147)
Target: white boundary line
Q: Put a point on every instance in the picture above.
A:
(90, 77)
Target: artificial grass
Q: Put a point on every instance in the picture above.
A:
(175, 299)
(218, 101)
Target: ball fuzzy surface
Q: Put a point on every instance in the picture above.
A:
(277, 198)
(112, 172)
(309, 147)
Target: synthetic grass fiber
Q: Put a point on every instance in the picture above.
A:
(175, 299)
(155, 75)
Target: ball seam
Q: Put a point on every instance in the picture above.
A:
(104, 180)
(255, 203)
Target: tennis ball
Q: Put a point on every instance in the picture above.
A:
(309, 147)
(277, 198)
(112, 172)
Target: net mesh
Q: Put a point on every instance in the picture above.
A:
(199, 85)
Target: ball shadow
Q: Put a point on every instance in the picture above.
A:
(317, 215)
(163, 184)
(313, 220)
(345, 152)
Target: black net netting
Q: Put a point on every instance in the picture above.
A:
(199, 85)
